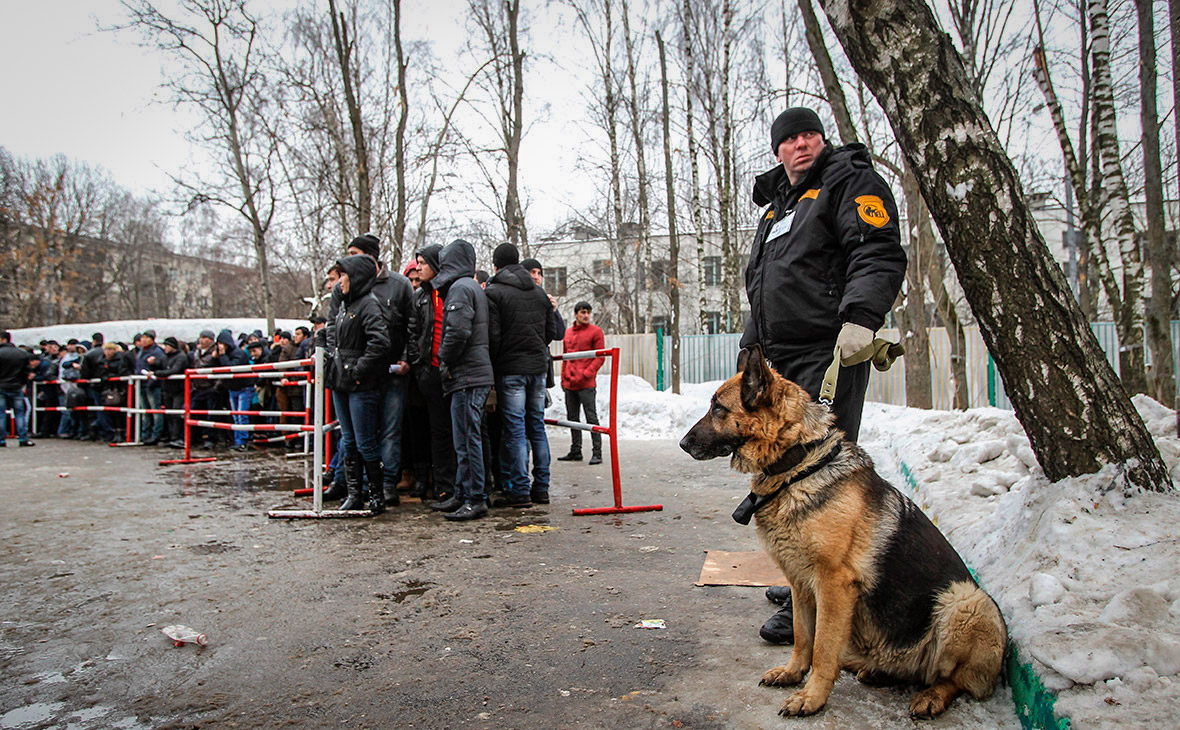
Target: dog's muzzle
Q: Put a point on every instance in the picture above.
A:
(703, 443)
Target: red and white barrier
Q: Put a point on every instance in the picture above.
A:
(610, 431)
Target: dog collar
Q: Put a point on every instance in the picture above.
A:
(754, 502)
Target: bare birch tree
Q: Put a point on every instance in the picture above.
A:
(217, 42)
(673, 238)
(1056, 375)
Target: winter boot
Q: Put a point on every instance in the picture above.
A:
(338, 489)
(353, 473)
(595, 458)
(375, 471)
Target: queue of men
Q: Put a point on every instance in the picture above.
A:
(438, 376)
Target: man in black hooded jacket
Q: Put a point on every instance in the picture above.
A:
(425, 337)
(825, 267)
(520, 328)
(466, 370)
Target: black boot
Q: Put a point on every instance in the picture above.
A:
(375, 471)
(353, 473)
(780, 628)
(450, 504)
(391, 498)
(571, 456)
(338, 487)
(595, 458)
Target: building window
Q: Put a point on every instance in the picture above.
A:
(712, 270)
(712, 323)
(602, 269)
(659, 274)
(555, 281)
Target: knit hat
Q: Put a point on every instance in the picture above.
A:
(530, 264)
(367, 243)
(172, 342)
(255, 344)
(209, 334)
(505, 254)
(791, 122)
(412, 266)
(150, 333)
(430, 254)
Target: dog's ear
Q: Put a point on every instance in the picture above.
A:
(755, 378)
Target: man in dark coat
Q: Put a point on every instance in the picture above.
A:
(520, 328)
(172, 390)
(394, 292)
(466, 369)
(425, 337)
(825, 267)
(91, 368)
(149, 359)
(15, 372)
(241, 391)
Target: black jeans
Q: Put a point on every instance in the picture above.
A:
(174, 424)
(805, 366)
(438, 410)
(585, 399)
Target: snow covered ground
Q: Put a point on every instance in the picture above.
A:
(1086, 575)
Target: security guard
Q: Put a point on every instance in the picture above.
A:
(824, 270)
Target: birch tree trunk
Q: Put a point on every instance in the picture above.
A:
(827, 72)
(673, 237)
(1159, 255)
(640, 158)
(1130, 320)
(725, 183)
(698, 215)
(914, 333)
(1174, 27)
(1068, 399)
(399, 140)
(513, 209)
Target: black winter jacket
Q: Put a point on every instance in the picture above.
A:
(420, 335)
(234, 355)
(520, 323)
(394, 292)
(92, 365)
(174, 364)
(115, 367)
(835, 256)
(463, 352)
(360, 337)
(14, 367)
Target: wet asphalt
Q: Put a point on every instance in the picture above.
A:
(404, 620)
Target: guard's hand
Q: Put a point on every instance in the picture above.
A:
(852, 339)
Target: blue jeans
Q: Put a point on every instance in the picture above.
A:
(393, 401)
(14, 398)
(521, 402)
(153, 425)
(359, 415)
(466, 415)
(239, 400)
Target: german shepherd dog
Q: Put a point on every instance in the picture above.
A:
(877, 589)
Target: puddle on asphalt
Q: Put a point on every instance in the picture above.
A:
(29, 715)
(413, 588)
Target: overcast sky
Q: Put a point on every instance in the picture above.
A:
(95, 96)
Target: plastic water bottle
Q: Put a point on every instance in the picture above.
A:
(182, 635)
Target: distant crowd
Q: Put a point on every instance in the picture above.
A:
(442, 363)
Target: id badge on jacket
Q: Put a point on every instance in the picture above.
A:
(781, 227)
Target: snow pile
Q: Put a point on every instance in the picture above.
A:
(124, 330)
(1084, 572)
(644, 412)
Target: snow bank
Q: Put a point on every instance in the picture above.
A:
(124, 330)
(644, 412)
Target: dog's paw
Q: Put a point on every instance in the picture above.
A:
(929, 703)
(782, 676)
(802, 703)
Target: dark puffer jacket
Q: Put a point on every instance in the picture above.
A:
(463, 353)
(836, 256)
(360, 337)
(394, 292)
(14, 367)
(234, 355)
(520, 323)
(174, 364)
(421, 329)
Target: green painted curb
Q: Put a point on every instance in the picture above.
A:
(1035, 704)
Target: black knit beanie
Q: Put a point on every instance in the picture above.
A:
(367, 243)
(791, 122)
(505, 254)
(430, 255)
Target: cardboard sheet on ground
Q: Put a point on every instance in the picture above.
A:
(753, 568)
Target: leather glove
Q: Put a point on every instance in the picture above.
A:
(852, 339)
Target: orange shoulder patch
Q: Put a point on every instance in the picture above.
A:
(810, 194)
(871, 210)
(769, 214)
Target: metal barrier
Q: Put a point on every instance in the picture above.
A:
(610, 432)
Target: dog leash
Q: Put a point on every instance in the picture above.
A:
(882, 353)
(754, 502)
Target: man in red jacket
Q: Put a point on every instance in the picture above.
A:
(579, 381)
